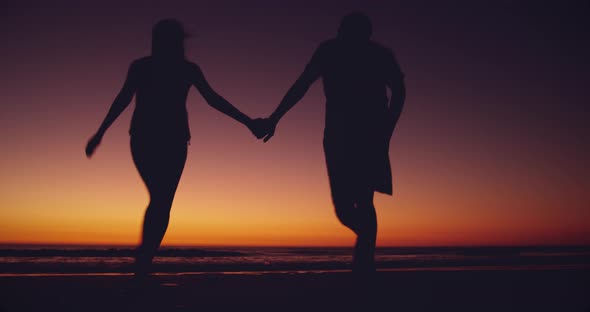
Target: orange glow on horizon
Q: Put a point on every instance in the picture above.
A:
(71, 200)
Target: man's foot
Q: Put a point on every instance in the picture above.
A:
(364, 270)
(363, 261)
(366, 267)
(142, 266)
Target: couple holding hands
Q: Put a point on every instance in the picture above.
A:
(360, 119)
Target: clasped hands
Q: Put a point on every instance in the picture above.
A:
(262, 128)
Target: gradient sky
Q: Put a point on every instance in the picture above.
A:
(492, 148)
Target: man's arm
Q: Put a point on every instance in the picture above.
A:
(119, 104)
(395, 82)
(310, 74)
(295, 93)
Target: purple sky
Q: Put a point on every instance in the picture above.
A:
(497, 93)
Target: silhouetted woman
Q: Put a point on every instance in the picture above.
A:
(159, 127)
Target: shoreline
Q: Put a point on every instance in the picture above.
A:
(556, 267)
(424, 290)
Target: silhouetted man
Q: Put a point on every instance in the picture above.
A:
(359, 124)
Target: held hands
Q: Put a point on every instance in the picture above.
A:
(92, 144)
(262, 128)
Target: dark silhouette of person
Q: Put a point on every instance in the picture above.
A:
(159, 126)
(356, 73)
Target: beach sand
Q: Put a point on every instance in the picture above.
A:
(403, 290)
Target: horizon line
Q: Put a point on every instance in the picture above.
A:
(106, 245)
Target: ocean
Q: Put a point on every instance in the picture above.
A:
(20, 259)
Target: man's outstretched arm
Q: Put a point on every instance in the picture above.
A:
(292, 97)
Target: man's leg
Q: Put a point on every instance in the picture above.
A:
(359, 215)
(364, 251)
(346, 210)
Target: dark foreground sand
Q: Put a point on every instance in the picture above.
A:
(423, 290)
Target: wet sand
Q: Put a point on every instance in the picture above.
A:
(403, 290)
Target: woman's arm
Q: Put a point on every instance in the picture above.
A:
(119, 104)
(219, 103)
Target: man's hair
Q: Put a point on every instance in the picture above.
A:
(355, 26)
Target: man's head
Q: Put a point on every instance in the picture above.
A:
(168, 39)
(355, 26)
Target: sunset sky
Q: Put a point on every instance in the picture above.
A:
(493, 146)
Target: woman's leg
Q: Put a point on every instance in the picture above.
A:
(160, 166)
